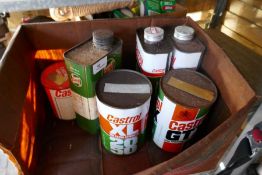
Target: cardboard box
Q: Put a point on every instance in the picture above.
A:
(43, 145)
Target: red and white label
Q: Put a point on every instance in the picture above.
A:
(153, 65)
(61, 102)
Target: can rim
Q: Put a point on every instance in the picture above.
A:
(126, 70)
(65, 55)
(186, 105)
(184, 33)
(47, 83)
(153, 34)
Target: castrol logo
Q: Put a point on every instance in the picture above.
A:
(126, 120)
(184, 126)
(158, 70)
(139, 57)
(125, 127)
(63, 93)
(76, 80)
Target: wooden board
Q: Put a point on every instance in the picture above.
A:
(243, 27)
(249, 44)
(201, 15)
(247, 11)
(256, 3)
(247, 62)
(197, 5)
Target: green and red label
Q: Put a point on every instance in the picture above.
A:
(175, 124)
(122, 128)
(83, 79)
(154, 7)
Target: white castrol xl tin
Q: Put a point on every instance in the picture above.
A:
(55, 80)
(153, 51)
(123, 99)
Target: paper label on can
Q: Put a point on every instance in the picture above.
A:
(62, 101)
(185, 60)
(122, 126)
(152, 64)
(101, 64)
(119, 146)
(86, 107)
(176, 124)
(127, 88)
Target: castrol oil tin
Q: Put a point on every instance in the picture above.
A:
(55, 80)
(86, 63)
(153, 51)
(183, 102)
(123, 100)
(188, 49)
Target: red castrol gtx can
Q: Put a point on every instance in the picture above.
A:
(55, 80)
(183, 102)
(123, 99)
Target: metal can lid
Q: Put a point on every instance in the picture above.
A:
(153, 34)
(175, 85)
(103, 38)
(184, 33)
(55, 77)
(123, 89)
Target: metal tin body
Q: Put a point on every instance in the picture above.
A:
(83, 77)
(55, 80)
(188, 50)
(179, 112)
(153, 58)
(123, 99)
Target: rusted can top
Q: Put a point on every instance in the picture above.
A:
(163, 44)
(55, 77)
(189, 88)
(123, 89)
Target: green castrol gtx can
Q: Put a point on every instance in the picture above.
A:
(123, 99)
(86, 63)
(185, 97)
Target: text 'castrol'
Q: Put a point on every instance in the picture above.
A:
(55, 80)
(123, 99)
(183, 102)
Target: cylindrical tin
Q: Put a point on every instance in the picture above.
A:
(123, 99)
(183, 102)
(55, 80)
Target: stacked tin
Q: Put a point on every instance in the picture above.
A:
(181, 105)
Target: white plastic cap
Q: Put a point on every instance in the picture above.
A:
(153, 34)
(184, 33)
